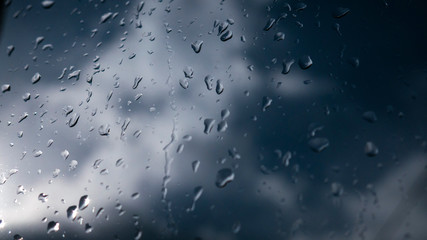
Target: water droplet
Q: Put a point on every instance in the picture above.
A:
(223, 177)
(370, 116)
(188, 72)
(222, 27)
(279, 36)
(287, 64)
(269, 24)
(300, 6)
(73, 120)
(305, 62)
(26, 96)
(286, 158)
(209, 123)
(84, 202)
(184, 83)
(56, 172)
(219, 87)
(266, 103)
(371, 150)
(180, 148)
(72, 212)
(21, 190)
(52, 226)
(36, 77)
(318, 144)
(195, 165)
(105, 17)
(197, 46)
(187, 138)
(73, 165)
(209, 82)
(135, 195)
(236, 227)
(226, 36)
(5, 88)
(337, 189)
(97, 163)
(119, 162)
(17, 237)
(340, 12)
(38, 153)
(100, 211)
(104, 130)
(10, 50)
(225, 113)
(88, 228)
(47, 4)
(43, 197)
(222, 126)
(65, 154)
(136, 82)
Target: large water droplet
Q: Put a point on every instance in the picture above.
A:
(84, 202)
(318, 144)
(197, 46)
(219, 87)
(223, 177)
(287, 64)
(72, 212)
(209, 123)
(222, 126)
(305, 62)
(209, 82)
(73, 120)
(52, 226)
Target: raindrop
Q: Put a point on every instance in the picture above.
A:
(88, 228)
(340, 12)
(36, 77)
(370, 116)
(226, 36)
(266, 102)
(21, 190)
(135, 195)
(104, 130)
(5, 88)
(300, 6)
(269, 24)
(73, 120)
(318, 144)
(184, 83)
(287, 64)
(337, 189)
(209, 123)
(223, 177)
(26, 96)
(222, 27)
(10, 50)
(17, 237)
(47, 4)
(236, 227)
(100, 211)
(187, 138)
(305, 62)
(43, 197)
(72, 212)
(197, 46)
(73, 165)
(225, 113)
(38, 153)
(279, 36)
(119, 162)
(52, 227)
(371, 150)
(84, 202)
(209, 82)
(65, 154)
(188, 72)
(136, 82)
(180, 148)
(195, 165)
(219, 87)
(222, 126)
(105, 17)
(286, 158)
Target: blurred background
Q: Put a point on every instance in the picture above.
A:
(183, 119)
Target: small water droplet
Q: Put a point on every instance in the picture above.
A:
(88, 228)
(222, 126)
(105, 17)
(219, 87)
(47, 4)
(287, 64)
(269, 24)
(65, 154)
(43, 197)
(197, 46)
(371, 150)
(188, 72)
(236, 227)
(17, 237)
(279, 36)
(52, 226)
(184, 83)
(225, 113)
(104, 130)
(5, 88)
(340, 12)
(209, 82)
(223, 177)
(73, 120)
(370, 116)
(38, 153)
(36, 77)
(318, 144)
(10, 50)
(266, 103)
(136, 82)
(195, 165)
